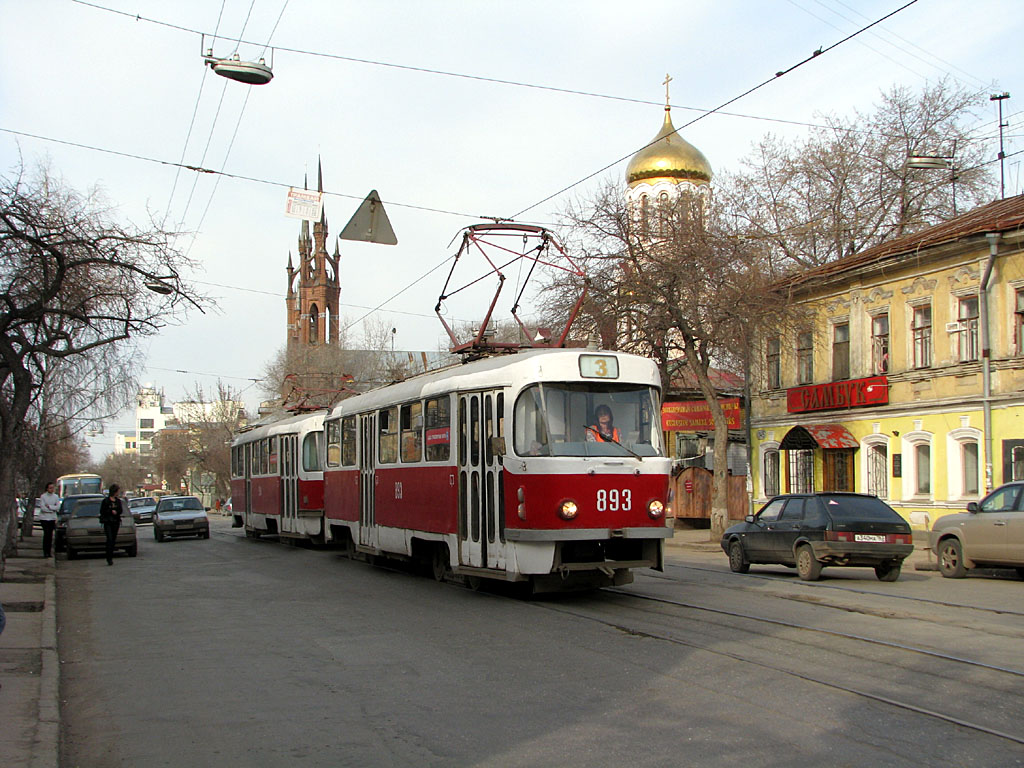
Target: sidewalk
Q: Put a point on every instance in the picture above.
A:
(699, 540)
(29, 666)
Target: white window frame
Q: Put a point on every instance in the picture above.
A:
(908, 448)
(868, 443)
(955, 441)
(763, 450)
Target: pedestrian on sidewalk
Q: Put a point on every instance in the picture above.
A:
(49, 504)
(110, 517)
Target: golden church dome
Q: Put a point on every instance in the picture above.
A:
(669, 156)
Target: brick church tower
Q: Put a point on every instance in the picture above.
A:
(313, 288)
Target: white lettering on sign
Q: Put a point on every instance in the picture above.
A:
(614, 500)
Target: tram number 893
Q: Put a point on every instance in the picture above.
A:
(614, 500)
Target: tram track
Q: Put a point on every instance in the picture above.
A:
(817, 585)
(752, 659)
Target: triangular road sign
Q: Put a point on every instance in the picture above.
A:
(370, 223)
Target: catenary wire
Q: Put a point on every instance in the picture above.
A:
(467, 76)
(782, 73)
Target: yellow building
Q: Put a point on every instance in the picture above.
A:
(905, 378)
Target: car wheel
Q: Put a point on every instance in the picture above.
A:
(72, 555)
(158, 534)
(807, 566)
(1020, 572)
(206, 534)
(887, 571)
(133, 551)
(737, 558)
(951, 559)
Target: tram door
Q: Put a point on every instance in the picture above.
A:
(481, 521)
(367, 479)
(247, 458)
(289, 483)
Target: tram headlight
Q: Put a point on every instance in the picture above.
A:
(656, 509)
(568, 510)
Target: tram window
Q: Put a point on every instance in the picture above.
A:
(488, 430)
(272, 451)
(474, 433)
(311, 452)
(438, 423)
(333, 443)
(412, 431)
(348, 441)
(264, 453)
(462, 431)
(552, 419)
(387, 421)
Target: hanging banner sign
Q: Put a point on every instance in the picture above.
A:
(695, 416)
(304, 204)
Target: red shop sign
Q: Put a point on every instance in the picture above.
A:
(854, 393)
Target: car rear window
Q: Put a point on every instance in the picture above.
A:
(175, 505)
(858, 507)
(87, 508)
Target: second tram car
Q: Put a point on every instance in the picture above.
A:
(496, 469)
(277, 484)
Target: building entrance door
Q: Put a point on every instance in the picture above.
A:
(838, 470)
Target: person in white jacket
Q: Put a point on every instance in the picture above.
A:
(49, 503)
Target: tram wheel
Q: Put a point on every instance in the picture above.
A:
(474, 583)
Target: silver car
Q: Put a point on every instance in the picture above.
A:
(142, 508)
(989, 534)
(84, 532)
(180, 516)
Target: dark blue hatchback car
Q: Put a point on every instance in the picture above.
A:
(812, 530)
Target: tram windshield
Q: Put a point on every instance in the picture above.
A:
(556, 419)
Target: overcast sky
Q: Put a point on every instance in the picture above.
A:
(462, 147)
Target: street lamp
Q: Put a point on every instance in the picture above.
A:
(936, 163)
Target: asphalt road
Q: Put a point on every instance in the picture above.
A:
(234, 652)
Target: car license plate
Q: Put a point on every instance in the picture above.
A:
(868, 537)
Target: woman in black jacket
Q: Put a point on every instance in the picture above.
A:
(110, 517)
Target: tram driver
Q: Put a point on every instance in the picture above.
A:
(604, 431)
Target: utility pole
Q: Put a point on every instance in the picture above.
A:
(1000, 97)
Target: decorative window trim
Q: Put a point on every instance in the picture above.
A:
(762, 451)
(867, 443)
(955, 440)
(909, 443)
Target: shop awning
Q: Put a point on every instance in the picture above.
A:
(809, 436)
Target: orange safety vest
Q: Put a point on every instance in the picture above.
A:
(601, 438)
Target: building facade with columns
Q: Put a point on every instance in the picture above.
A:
(906, 377)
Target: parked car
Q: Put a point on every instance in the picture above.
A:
(814, 530)
(989, 534)
(85, 532)
(180, 516)
(142, 508)
(67, 507)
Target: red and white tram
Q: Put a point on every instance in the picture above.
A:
(493, 469)
(277, 484)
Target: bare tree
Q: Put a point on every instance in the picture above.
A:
(677, 286)
(211, 420)
(847, 186)
(73, 300)
(172, 456)
(335, 370)
(125, 469)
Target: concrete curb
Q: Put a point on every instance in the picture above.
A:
(46, 746)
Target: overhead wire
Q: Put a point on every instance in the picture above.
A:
(781, 73)
(192, 121)
(469, 76)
